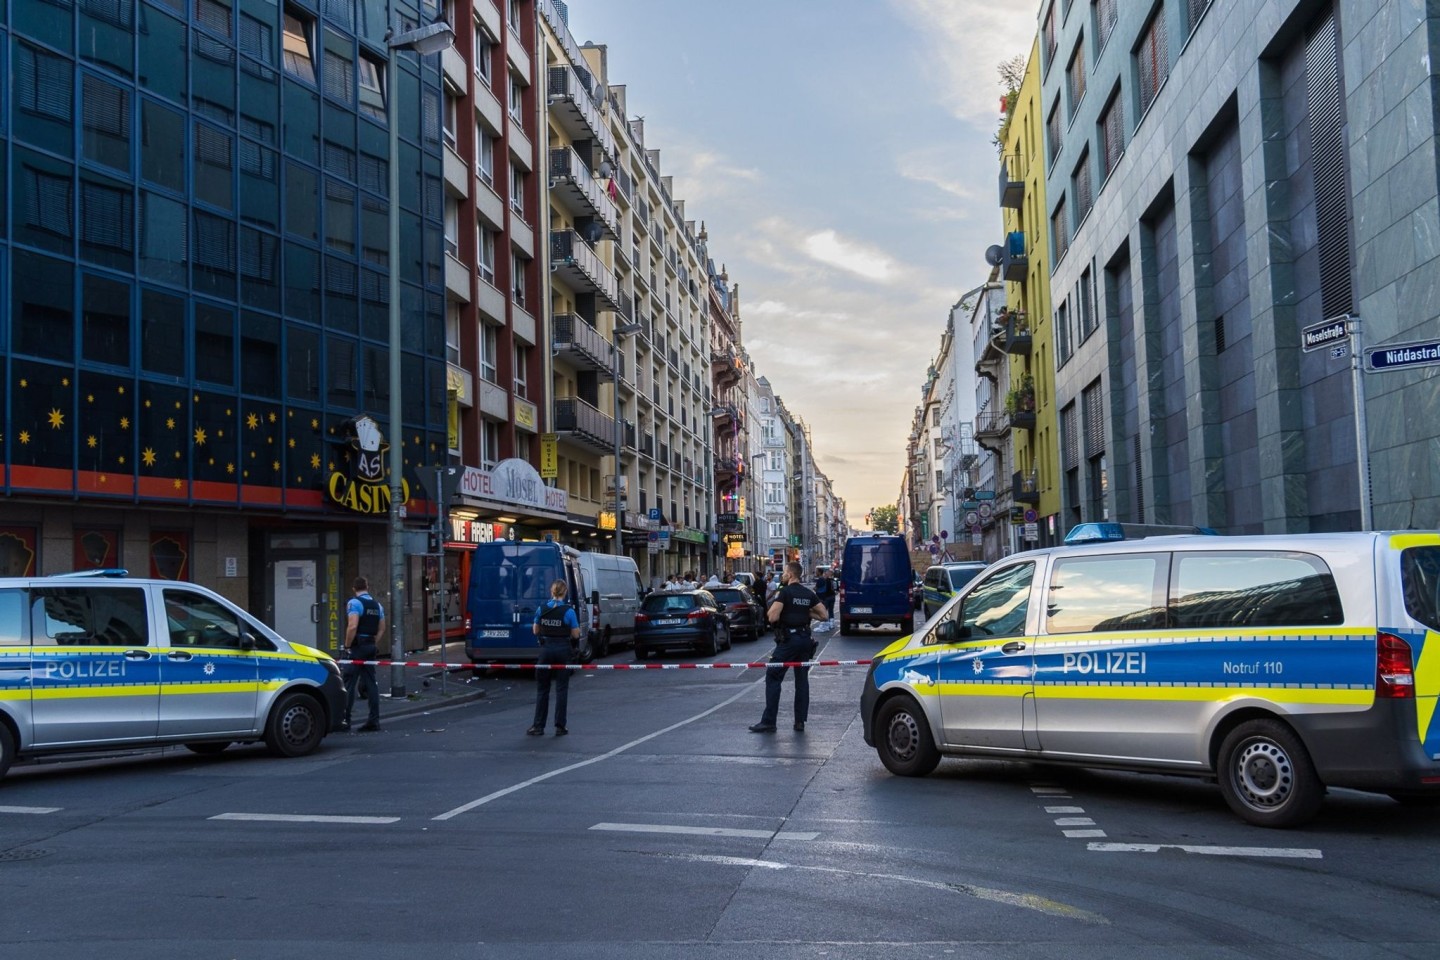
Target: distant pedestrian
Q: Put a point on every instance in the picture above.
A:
(364, 626)
(795, 606)
(558, 630)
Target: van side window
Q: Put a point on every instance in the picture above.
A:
(1420, 578)
(1252, 589)
(1122, 592)
(998, 604)
(195, 620)
(88, 616)
(12, 610)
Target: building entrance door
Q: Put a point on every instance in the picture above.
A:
(298, 595)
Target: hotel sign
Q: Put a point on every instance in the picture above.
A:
(513, 483)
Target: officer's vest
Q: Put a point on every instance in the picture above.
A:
(553, 628)
(795, 607)
(368, 627)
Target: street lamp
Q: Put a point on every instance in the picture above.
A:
(431, 38)
(621, 330)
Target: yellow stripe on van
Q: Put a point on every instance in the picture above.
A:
(1400, 541)
(108, 690)
(1427, 683)
(1339, 697)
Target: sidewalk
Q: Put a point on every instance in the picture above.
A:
(424, 689)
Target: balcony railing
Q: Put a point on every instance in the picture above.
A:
(1025, 487)
(572, 260)
(626, 306)
(1012, 181)
(1016, 333)
(647, 445)
(572, 183)
(582, 345)
(1014, 264)
(583, 424)
(992, 425)
(576, 111)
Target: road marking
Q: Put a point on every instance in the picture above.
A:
(1081, 834)
(300, 818)
(1289, 853)
(489, 797)
(1050, 791)
(31, 809)
(705, 831)
(1064, 809)
(1074, 821)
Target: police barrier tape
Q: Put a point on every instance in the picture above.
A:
(755, 665)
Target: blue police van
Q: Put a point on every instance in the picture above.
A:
(875, 582)
(509, 581)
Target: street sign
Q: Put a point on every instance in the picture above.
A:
(1032, 531)
(970, 505)
(972, 518)
(977, 538)
(1320, 335)
(987, 510)
(1402, 356)
(1031, 516)
(984, 494)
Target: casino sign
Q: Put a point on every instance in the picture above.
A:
(361, 486)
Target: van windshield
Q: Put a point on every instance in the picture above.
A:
(1420, 574)
(879, 563)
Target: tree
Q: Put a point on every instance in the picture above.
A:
(884, 519)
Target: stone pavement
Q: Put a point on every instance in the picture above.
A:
(424, 689)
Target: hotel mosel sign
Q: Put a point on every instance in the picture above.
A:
(361, 486)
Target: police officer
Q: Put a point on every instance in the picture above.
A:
(792, 610)
(364, 626)
(558, 630)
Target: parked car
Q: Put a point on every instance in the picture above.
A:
(944, 580)
(745, 613)
(681, 618)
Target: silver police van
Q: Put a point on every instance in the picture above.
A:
(1276, 665)
(100, 661)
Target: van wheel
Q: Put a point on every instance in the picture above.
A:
(1266, 775)
(296, 726)
(7, 749)
(845, 627)
(586, 653)
(604, 649)
(208, 748)
(902, 738)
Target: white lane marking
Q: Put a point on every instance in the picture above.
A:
(1081, 834)
(1050, 791)
(1064, 809)
(1289, 853)
(467, 807)
(31, 809)
(1027, 901)
(1074, 822)
(301, 818)
(705, 831)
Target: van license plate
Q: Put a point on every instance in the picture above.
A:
(669, 623)
(862, 609)
(494, 633)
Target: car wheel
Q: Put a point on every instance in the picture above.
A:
(7, 749)
(641, 654)
(903, 740)
(296, 726)
(586, 653)
(729, 639)
(208, 748)
(711, 645)
(1267, 777)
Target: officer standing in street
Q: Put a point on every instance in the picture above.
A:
(558, 629)
(794, 607)
(364, 626)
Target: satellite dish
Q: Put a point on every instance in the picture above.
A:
(594, 231)
(995, 255)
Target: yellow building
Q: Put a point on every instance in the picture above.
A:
(1029, 336)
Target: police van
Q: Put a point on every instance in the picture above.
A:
(1275, 665)
(93, 662)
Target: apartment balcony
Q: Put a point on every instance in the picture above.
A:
(647, 445)
(579, 423)
(727, 468)
(575, 111)
(1014, 264)
(581, 345)
(630, 436)
(625, 307)
(1025, 487)
(992, 426)
(1012, 181)
(624, 187)
(725, 367)
(577, 266)
(664, 455)
(1016, 333)
(579, 192)
(723, 415)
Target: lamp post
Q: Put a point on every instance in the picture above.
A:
(431, 38)
(621, 330)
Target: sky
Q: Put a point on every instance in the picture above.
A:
(839, 153)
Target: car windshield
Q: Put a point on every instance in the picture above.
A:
(959, 576)
(729, 596)
(667, 602)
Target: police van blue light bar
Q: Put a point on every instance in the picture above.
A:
(1115, 532)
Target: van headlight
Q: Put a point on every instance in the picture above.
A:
(334, 669)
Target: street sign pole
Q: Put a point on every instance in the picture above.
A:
(1362, 437)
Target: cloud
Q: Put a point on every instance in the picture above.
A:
(930, 165)
(966, 40)
(829, 247)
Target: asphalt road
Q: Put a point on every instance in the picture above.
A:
(660, 827)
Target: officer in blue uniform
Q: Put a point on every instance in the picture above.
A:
(558, 630)
(792, 609)
(364, 626)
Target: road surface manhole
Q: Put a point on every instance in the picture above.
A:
(16, 855)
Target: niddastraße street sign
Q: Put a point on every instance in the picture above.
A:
(1402, 356)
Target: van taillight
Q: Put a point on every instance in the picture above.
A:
(595, 617)
(467, 623)
(840, 594)
(1394, 668)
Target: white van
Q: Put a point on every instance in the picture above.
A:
(612, 589)
(1276, 665)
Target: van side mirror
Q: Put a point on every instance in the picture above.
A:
(594, 598)
(247, 641)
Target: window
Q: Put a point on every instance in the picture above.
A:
(777, 460)
(777, 530)
(1080, 187)
(1052, 132)
(935, 417)
(485, 161)
(995, 607)
(452, 331)
(1107, 13)
(512, 16)
(522, 371)
(1112, 134)
(1062, 331)
(1088, 320)
(372, 88)
(1420, 576)
(12, 608)
(517, 190)
(487, 255)
(484, 51)
(1195, 9)
(106, 117)
(517, 102)
(1244, 589)
(89, 616)
(774, 492)
(452, 225)
(1075, 75)
(517, 272)
(339, 74)
(489, 350)
(1090, 594)
(195, 620)
(450, 117)
(296, 56)
(1049, 32)
(1153, 60)
(1060, 230)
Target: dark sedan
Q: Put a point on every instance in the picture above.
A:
(681, 618)
(746, 615)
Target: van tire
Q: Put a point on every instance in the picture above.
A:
(296, 726)
(604, 649)
(586, 652)
(1267, 777)
(903, 740)
(845, 628)
(7, 749)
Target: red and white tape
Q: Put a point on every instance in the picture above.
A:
(756, 665)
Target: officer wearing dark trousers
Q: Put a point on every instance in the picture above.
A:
(792, 611)
(364, 626)
(558, 630)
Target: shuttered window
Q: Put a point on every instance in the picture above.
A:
(1060, 228)
(1049, 31)
(1081, 187)
(1107, 12)
(1153, 56)
(1195, 9)
(1052, 132)
(1112, 134)
(1070, 437)
(1093, 405)
(1075, 75)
